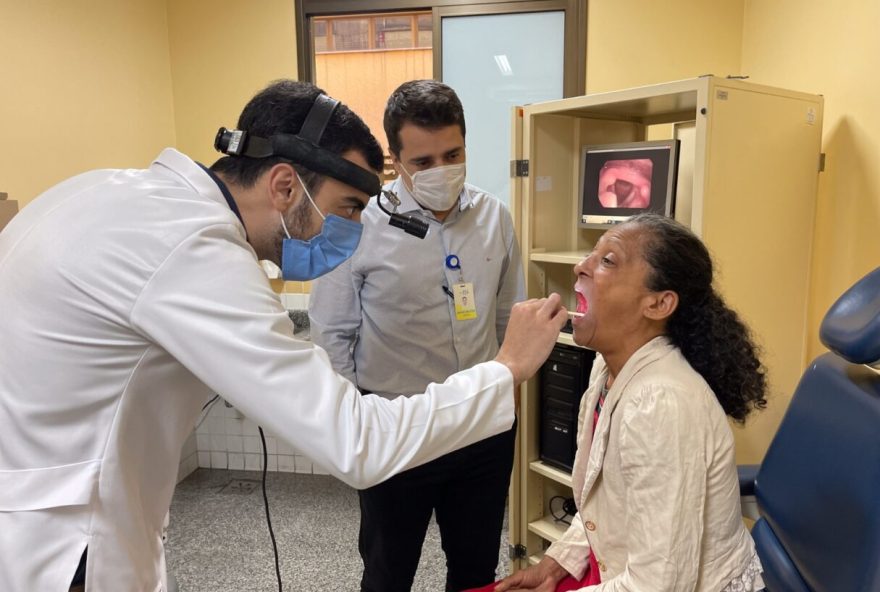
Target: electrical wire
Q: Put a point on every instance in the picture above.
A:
(266, 503)
(209, 403)
(206, 413)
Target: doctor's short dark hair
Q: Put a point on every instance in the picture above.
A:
(425, 103)
(282, 108)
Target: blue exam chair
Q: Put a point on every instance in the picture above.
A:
(818, 488)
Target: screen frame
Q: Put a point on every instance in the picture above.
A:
(592, 215)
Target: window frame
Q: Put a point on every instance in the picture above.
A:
(575, 42)
(411, 16)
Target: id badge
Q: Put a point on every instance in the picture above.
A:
(465, 306)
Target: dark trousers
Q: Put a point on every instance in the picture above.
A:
(467, 489)
(78, 583)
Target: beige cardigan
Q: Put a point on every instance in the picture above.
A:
(656, 487)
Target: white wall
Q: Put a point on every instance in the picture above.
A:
(226, 440)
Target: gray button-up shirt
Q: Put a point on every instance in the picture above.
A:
(384, 317)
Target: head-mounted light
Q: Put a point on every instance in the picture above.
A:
(303, 148)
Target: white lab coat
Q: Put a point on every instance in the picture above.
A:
(127, 297)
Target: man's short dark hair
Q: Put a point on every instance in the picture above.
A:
(425, 103)
(281, 108)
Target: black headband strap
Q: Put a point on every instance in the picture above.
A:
(325, 162)
(317, 119)
(302, 148)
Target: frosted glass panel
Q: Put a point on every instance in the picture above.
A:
(494, 62)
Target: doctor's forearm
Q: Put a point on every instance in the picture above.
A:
(377, 438)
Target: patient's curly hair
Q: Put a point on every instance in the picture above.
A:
(710, 335)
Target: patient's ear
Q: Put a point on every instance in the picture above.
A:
(661, 305)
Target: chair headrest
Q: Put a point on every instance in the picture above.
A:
(851, 327)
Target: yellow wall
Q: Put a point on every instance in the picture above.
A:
(222, 53)
(82, 86)
(832, 50)
(638, 42)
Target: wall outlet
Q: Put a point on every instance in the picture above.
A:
(234, 413)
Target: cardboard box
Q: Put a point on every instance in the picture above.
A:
(8, 208)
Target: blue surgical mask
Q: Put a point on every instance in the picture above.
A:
(303, 260)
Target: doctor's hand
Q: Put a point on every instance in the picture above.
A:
(531, 333)
(537, 578)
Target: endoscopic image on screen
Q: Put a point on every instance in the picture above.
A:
(626, 183)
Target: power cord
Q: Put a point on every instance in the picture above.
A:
(205, 414)
(205, 407)
(266, 503)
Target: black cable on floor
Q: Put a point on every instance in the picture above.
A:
(266, 502)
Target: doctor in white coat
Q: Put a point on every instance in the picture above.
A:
(128, 297)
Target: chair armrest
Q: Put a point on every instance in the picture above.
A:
(747, 475)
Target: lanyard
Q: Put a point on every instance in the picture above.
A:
(454, 263)
(462, 293)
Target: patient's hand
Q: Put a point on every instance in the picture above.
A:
(537, 578)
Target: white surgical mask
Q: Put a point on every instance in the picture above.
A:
(437, 189)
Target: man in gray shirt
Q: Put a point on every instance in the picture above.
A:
(403, 313)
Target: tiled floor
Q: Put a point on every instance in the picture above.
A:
(219, 542)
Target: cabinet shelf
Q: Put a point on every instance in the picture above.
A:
(563, 257)
(551, 472)
(567, 339)
(536, 558)
(548, 528)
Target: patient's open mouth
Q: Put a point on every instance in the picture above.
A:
(582, 305)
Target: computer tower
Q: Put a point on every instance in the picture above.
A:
(562, 381)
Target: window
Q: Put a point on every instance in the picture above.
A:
(394, 25)
(361, 51)
(361, 58)
(393, 32)
(372, 32)
(425, 30)
(319, 35)
(350, 34)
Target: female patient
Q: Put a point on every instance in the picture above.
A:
(655, 478)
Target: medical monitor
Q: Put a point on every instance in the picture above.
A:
(621, 180)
